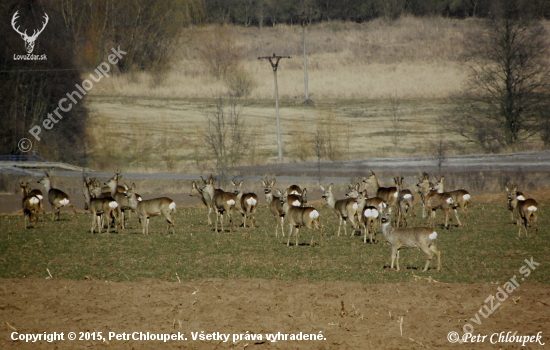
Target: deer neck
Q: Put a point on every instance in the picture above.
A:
(269, 197)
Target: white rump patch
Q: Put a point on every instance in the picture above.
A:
(433, 235)
(34, 200)
(395, 194)
(251, 201)
(521, 198)
(64, 201)
(371, 213)
(314, 214)
(172, 205)
(355, 206)
(40, 196)
(139, 199)
(296, 203)
(230, 202)
(407, 196)
(294, 192)
(113, 205)
(532, 208)
(466, 197)
(383, 205)
(449, 201)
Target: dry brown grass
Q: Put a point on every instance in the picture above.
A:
(410, 57)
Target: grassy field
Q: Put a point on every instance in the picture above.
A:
(486, 250)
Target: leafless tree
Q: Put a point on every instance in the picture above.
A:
(226, 134)
(509, 79)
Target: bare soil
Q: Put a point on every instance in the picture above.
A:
(349, 315)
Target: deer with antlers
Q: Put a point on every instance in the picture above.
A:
(29, 40)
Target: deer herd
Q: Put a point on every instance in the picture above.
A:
(112, 203)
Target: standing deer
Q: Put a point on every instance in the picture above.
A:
(246, 204)
(405, 202)
(423, 188)
(274, 204)
(223, 202)
(196, 191)
(100, 208)
(120, 198)
(388, 194)
(344, 208)
(368, 218)
(36, 192)
(363, 201)
(298, 217)
(152, 207)
(436, 201)
(56, 197)
(30, 205)
(526, 209)
(461, 198)
(297, 198)
(410, 237)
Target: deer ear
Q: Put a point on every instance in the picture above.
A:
(133, 186)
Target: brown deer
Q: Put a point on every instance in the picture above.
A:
(297, 198)
(434, 201)
(298, 217)
(525, 208)
(274, 204)
(25, 187)
(121, 198)
(461, 198)
(56, 197)
(369, 217)
(152, 207)
(410, 237)
(246, 204)
(196, 191)
(405, 202)
(423, 188)
(364, 201)
(344, 208)
(388, 194)
(30, 205)
(101, 209)
(223, 202)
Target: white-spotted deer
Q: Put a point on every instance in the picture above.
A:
(152, 207)
(101, 209)
(410, 237)
(25, 187)
(388, 194)
(246, 204)
(223, 202)
(525, 208)
(363, 201)
(369, 217)
(295, 197)
(344, 208)
(461, 198)
(56, 197)
(405, 202)
(298, 217)
(274, 204)
(30, 205)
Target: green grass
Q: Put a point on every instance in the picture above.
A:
(487, 250)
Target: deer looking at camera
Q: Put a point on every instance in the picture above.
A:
(274, 204)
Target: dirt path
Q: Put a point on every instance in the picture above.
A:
(345, 315)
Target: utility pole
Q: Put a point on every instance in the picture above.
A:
(304, 18)
(274, 60)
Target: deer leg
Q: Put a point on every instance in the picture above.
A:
(296, 234)
(394, 252)
(456, 216)
(289, 234)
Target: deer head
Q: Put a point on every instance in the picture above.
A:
(29, 40)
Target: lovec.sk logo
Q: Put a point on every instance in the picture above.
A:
(29, 40)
